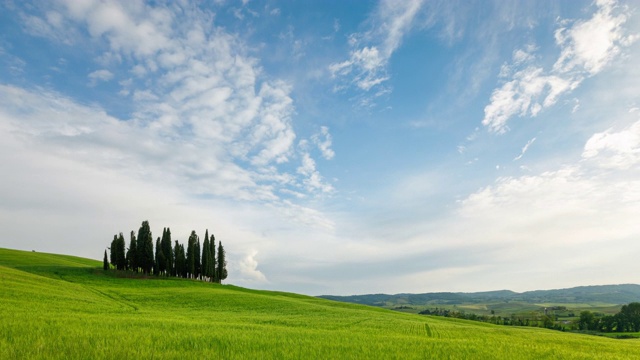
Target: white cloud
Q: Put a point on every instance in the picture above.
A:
(524, 149)
(586, 48)
(521, 56)
(313, 181)
(615, 150)
(139, 70)
(52, 26)
(569, 203)
(99, 75)
(572, 219)
(308, 165)
(324, 145)
(525, 95)
(144, 96)
(132, 28)
(576, 106)
(310, 217)
(248, 268)
(55, 19)
(397, 20)
(371, 50)
(570, 215)
(568, 221)
(198, 97)
(368, 66)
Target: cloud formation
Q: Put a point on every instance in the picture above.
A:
(578, 216)
(313, 181)
(615, 150)
(99, 75)
(371, 50)
(586, 47)
(524, 149)
(193, 81)
(323, 142)
(248, 268)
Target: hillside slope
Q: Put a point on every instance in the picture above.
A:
(607, 294)
(71, 309)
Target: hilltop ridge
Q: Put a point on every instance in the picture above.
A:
(609, 294)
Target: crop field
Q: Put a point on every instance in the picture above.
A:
(55, 306)
(514, 308)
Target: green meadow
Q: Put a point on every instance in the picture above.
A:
(64, 307)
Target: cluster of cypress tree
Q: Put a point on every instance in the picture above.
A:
(197, 262)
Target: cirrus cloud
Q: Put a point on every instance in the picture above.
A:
(371, 50)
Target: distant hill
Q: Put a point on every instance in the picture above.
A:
(608, 294)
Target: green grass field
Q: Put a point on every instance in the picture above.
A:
(55, 306)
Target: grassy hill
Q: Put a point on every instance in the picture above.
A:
(55, 306)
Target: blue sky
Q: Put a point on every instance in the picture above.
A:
(334, 147)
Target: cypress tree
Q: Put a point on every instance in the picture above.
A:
(121, 259)
(182, 261)
(197, 260)
(112, 250)
(205, 256)
(148, 255)
(212, 263)
(158, 264)
(145, 247)
(105, 262)
(222, 264)
(140, 246)
(167, 252)
(176, 271)
(191, 258)
(132, 253)
(189, 255)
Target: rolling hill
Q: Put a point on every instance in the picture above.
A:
(600, 294)
(63, 307)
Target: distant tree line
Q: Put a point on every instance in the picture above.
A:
(533, 320)
(197, 261)
(627, 320)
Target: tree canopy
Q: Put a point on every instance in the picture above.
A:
(200, 260)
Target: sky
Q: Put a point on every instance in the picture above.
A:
(333, 147)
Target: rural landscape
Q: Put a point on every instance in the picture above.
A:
(319, 179)
(595, 310)
(65, 307)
